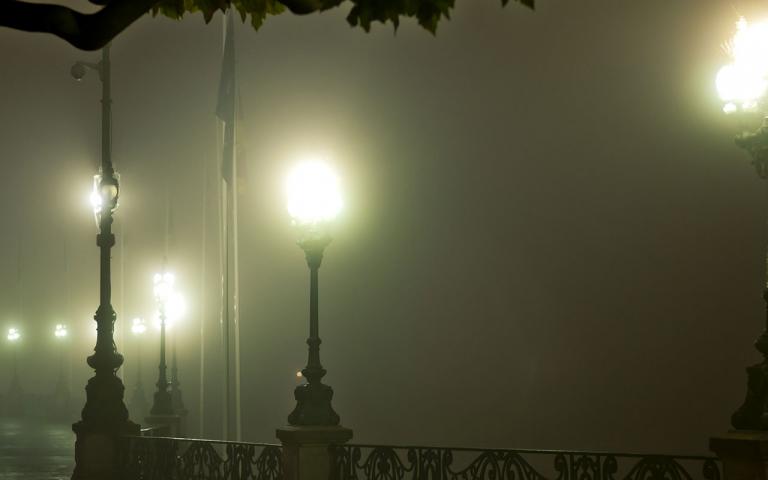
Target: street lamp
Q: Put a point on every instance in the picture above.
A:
(163, 290)
(742, 85)
(175, 308)
(14, 335)
(314, 201)
(104, 416)
(138, 400)
(15, 394)
(61, 393)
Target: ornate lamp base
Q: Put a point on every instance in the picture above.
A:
(313, 405)
(163, 403)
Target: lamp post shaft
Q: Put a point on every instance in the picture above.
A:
(162, 382)
(314, 325)
(15, 380)
(138, 362)
(105, 74)
(313, 399)
(163, 403)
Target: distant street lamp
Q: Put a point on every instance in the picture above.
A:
(742, 85)
(60, 333)
(163, 289)
(138, 399)
(14, 335)
(175, 308)
(314, 201)
(61, 394)
(104, 416)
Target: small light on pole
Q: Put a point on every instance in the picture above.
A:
(314, 201)
(104, 195)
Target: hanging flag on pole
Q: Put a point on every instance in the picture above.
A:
(225, 105)
(225, 111)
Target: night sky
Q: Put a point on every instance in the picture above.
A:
(549, 241)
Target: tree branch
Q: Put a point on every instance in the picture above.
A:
(84, 31)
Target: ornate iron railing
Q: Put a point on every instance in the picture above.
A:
(371, 462)
(165, 458)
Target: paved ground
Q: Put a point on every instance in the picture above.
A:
(35, 450)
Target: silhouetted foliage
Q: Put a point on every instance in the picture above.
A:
(94, 30)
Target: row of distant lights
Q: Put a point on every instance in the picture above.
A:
(14, 334)
(138, 327)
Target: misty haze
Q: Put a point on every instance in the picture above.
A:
(529, 234)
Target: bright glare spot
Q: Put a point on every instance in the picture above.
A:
(176, 307)
(730, 107)
(313, 193)
(95, 203)
(175, 310)
(163, 285)
(299, 374)
(745, 80)
(60, 331)
(138, 327)
(13, 334)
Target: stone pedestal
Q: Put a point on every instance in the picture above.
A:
(165, 425)
(744, 454)
(306, 450)
(100, 454)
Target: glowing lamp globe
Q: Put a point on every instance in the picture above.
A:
(163, 286)
(13, 334)
(138, 327)
(60, 331)
(314, 196)
(744, 82)
(175, 307)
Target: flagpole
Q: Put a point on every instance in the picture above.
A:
(236, 293)
(225, 304)
(203, 313)
(225, 112)
(222, 275)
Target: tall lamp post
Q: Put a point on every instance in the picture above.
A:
(15, 393)
(314, 201)
(743, 85)
(104, 416)
(60, 333)
(162, 412)
(14, 335)
(174, 311)
(138, 399)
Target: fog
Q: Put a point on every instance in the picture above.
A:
(549, 239)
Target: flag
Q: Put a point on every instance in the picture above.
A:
(225, 106)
